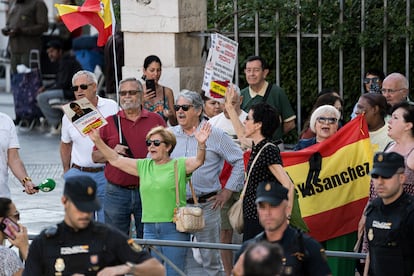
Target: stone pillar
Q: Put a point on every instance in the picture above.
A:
(162, 28)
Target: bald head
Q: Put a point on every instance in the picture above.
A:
(395, 88)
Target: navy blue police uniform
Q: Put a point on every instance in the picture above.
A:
(390, 233)
(302, 254)
(62, 251)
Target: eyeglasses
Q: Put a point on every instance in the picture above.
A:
(185, 107)
(368, 80)
(82, 86)
(376, 176)
(130, 92)
(156, 142)
(327, 120)
(390, 91)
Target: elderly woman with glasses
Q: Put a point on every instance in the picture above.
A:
(10, 263)
(324, 123)
(157, 184)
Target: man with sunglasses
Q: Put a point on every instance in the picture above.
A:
(390, 219)
(126, 134)
(372, 84)
(59, 90)
(76, 149)
(219, 148)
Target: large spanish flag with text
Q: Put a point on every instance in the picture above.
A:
(94, 12)
(332, 180)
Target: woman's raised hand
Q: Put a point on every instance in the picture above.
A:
(203, 133)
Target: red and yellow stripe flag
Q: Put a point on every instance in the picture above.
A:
(94, 12)
(332, 201)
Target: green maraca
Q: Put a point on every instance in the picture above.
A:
(47, 185)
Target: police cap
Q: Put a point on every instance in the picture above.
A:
(81, 190)
(271, 192)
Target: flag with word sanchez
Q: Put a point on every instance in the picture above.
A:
(332, 180)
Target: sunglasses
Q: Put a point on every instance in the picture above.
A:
(156, 142)
(185, 107)
(82, 86)
(368, 80)
(130, 92)
(327, 120)
(248, 119)
(375, 176)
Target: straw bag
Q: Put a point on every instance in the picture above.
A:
(187, 219)
(236, 211)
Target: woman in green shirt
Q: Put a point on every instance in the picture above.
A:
(157, 184)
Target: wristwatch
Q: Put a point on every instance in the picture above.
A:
(131, 267)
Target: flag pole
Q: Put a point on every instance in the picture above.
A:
(114, 51)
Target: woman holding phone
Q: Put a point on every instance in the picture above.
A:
(157, 98)
(10, 263)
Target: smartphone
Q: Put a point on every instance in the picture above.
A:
(6, 225)
(150, 84)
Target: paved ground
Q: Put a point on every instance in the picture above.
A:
(40, 153)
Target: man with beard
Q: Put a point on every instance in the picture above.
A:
(76, 149)
(125, 133)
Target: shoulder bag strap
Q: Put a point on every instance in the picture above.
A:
(177, 193)
(122, 139)
(251, 167)
(267, 93)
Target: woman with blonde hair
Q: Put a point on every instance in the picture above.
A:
(157, 184)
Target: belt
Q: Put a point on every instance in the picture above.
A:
(202, 199)
(128, 187)
(88, 169)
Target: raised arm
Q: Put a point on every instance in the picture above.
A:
(128, 165)
(234, 118)
(279, 172)
(192, 163)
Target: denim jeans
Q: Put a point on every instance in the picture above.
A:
(119, 204)
(52, 115)
(167, 231)
(100, 180)
(211, 264)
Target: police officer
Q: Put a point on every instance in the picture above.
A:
(390, 219)
(302, 254)
(80, 246)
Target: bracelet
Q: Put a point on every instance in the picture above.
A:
(201, 148)
(24, 180)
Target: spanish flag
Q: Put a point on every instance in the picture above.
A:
(94, 12)
(332, 180)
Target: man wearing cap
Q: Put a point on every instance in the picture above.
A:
(304, 255)
(80, 246)
(61, 88)
(389, 222)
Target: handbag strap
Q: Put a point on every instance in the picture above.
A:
(251, 167)
(177, 193)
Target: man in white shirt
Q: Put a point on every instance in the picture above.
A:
(75, 149)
